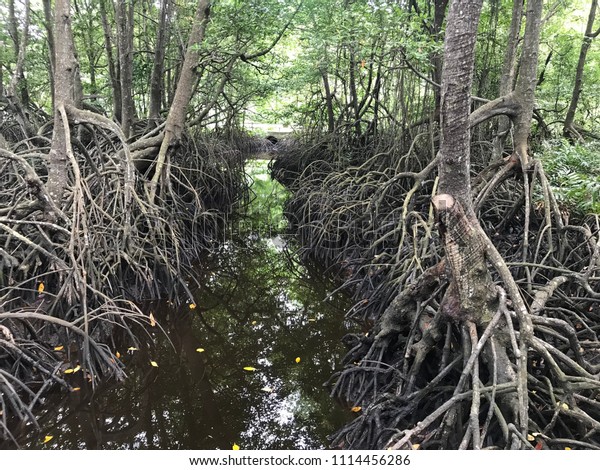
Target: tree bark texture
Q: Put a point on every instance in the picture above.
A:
(457, 76)
(65, 75)
(113, 69)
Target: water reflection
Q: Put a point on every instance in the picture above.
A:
(255, 307)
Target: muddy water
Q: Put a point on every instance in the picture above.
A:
(243, 363)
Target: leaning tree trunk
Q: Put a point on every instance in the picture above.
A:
(183, 94)
(568, 129)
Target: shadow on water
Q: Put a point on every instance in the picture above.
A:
(244, 364)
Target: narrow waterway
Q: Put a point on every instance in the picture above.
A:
(243, 364)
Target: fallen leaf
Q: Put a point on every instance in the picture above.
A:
(356, 409)
(152, 320)
(41, 287)
(75, 389)
(77, 369)
(253, 322)
(68, 371)
(235, 446)
(118, 354)
(47, 439)
(416, 446)
(199, 349)
(297, 360)
(251, 369)
(568, 448)
(59, 348)
(267, 389)
(530, 438)
(132, 349)
(192, 306)
(153, 364)
(312, 319)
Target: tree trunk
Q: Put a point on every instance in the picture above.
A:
(183, 94)
(48, 22)
(568, 129)
(507, 79)
(328, 101)
(124, 22)
(157, 80)
(113, 69)
(64, 95)
(527, 81)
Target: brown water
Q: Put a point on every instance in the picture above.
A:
(255, 307)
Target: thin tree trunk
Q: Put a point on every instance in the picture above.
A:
(17, 93)
(568, 129)
(328, 101)
(113, 69)
(124, 21)
(157, 79)
(48, 22)
(507, 79)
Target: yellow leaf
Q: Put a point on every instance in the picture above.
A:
(48, 439)
(568, 448)
(59, 348)
(416, 446)
(118, 354)
(77, 369)
(530, 438)
(75, 389)
(152, 320)
(153, 364)
(132, 349)
(41, 287)
(312, 319)
(235, 446)
(564, 406)
(251, 369)
(192, 306)
(356, 409)
(199, 349)
(267, 389)
(254, 322)
(298, 360)
(69, 371)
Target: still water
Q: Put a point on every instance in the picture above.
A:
(243, 364)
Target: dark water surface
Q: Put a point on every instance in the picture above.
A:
(244, 364)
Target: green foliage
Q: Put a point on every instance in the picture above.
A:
(574, 174)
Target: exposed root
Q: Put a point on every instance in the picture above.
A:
(523, 375)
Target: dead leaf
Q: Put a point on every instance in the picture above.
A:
(41, 287)
(68, 371)
(297, 360)
(75, 389)
(235, 447)
(267, 389)
(59, 348)
(152, 320)
(118, 354)
(250, 369)
(356, 409)
(416, 446)
(132, 349)
(153, 364)
(192, 306)
(199, 349)
(47, 439)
